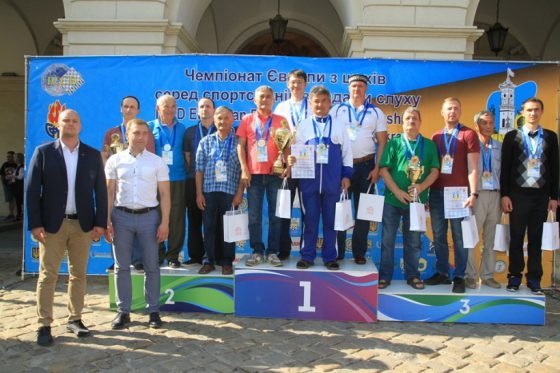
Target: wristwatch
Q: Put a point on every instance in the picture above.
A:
(474, 194)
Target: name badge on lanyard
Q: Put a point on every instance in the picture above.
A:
(450, 149)
(487, 179)
(167, 145)
(322, 149)
(262, 148)
(220, 171)
(533, 154)
(353, 126)
(167, 154)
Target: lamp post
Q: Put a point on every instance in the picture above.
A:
(497, 33)
(278, 26)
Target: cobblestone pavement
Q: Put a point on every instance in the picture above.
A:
(217, 343)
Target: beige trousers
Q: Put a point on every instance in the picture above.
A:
(70, 237)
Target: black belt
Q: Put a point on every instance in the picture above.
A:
(136, 211)
(71, 216)
(368, 157)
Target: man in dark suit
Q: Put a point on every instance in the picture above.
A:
(66, 208)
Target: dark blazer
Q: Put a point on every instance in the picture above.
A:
(47, 188)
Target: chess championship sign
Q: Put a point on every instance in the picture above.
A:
(95, 85)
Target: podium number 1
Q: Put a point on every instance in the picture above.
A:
(306, 307)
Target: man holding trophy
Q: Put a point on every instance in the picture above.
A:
(408, 166)
(262, 150)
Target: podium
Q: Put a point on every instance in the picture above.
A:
(484, 305)
(183, 290)
(349, 294)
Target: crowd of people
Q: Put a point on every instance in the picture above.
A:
(149, 176)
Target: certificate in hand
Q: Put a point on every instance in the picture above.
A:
(304, 168)
(454, 199)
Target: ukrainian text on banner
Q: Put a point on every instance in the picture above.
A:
(94, 86)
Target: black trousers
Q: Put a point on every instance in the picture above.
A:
(529, 213)
(195, 245)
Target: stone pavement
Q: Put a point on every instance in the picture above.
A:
(217, 343)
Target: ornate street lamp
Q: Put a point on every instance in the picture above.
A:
(497, 33)
(278, 26)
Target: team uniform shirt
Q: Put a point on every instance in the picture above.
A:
(218, 160)
(193, 136)
(170, 140)
(397, 157)
(331, 133)
(250, 128)
(463, 143)
(115, 137)
(294, 112)
(137, 178)
(71, 161)
(361, 124)
(489, 166)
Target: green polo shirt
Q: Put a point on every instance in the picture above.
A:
(395, 159)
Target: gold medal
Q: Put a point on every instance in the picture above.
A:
(261, 143)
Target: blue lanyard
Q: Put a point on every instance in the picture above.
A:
(409, 151)
(299, 115)
(357, 113)
(528, 145)
(162, 133)
(486, 156)
(258, 131)
(123, 133)
(452, 141)
(226, 145)
(328, 123)
(200, 134)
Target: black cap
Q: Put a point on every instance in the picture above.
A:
(358, 78)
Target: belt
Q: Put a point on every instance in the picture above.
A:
(71, 216)
(136, 211)
(368, 157)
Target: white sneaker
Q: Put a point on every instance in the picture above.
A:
(274, 261)
(254, 259)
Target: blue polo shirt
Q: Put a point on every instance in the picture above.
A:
(174, 137)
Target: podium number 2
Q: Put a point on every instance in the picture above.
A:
(306, 307)
(171, 294)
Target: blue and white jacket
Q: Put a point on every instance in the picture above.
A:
(327, 176)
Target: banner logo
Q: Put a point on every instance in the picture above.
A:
(51, 127)
(59, 79)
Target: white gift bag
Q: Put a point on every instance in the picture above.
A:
(550, 234)
(236, 225)
(343, 219)
(470, 231)
(370, 207)
(284, 201)
(417, 214)
(502, 235)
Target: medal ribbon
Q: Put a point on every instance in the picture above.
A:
(225, 144)
(363, 112)
(299, 115)
(452, 142)
(200, 134)
(408, 151)
(486, 156)
(528, 145)
(328, 123)
(123, 133)
(266, 129)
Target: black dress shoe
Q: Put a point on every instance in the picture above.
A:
(458, 285)
(360, 259)
(139, 267)
(44, 337)
(120, 321)
(303, 264)
(438, 279)
(77, 327)
(284, 256)
(206, 269)
(332, 266)
(155, 321)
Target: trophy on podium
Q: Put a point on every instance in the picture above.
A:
(282, 138)
(414, 171)
(116, 144)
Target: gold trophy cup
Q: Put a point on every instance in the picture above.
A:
(116, 144)
(282, 138)
(414, 171)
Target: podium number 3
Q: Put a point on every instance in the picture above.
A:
(306, 307)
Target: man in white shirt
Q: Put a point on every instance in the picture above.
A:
(367, 129)
(134, 178)
(295, 110)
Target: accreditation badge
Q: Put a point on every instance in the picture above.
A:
(352, 131)
(322, 154)
(167, 156)
(262, 151)
(487, 181)
(534, 167)
(167, 147)
(447, 164)
(221, 172)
